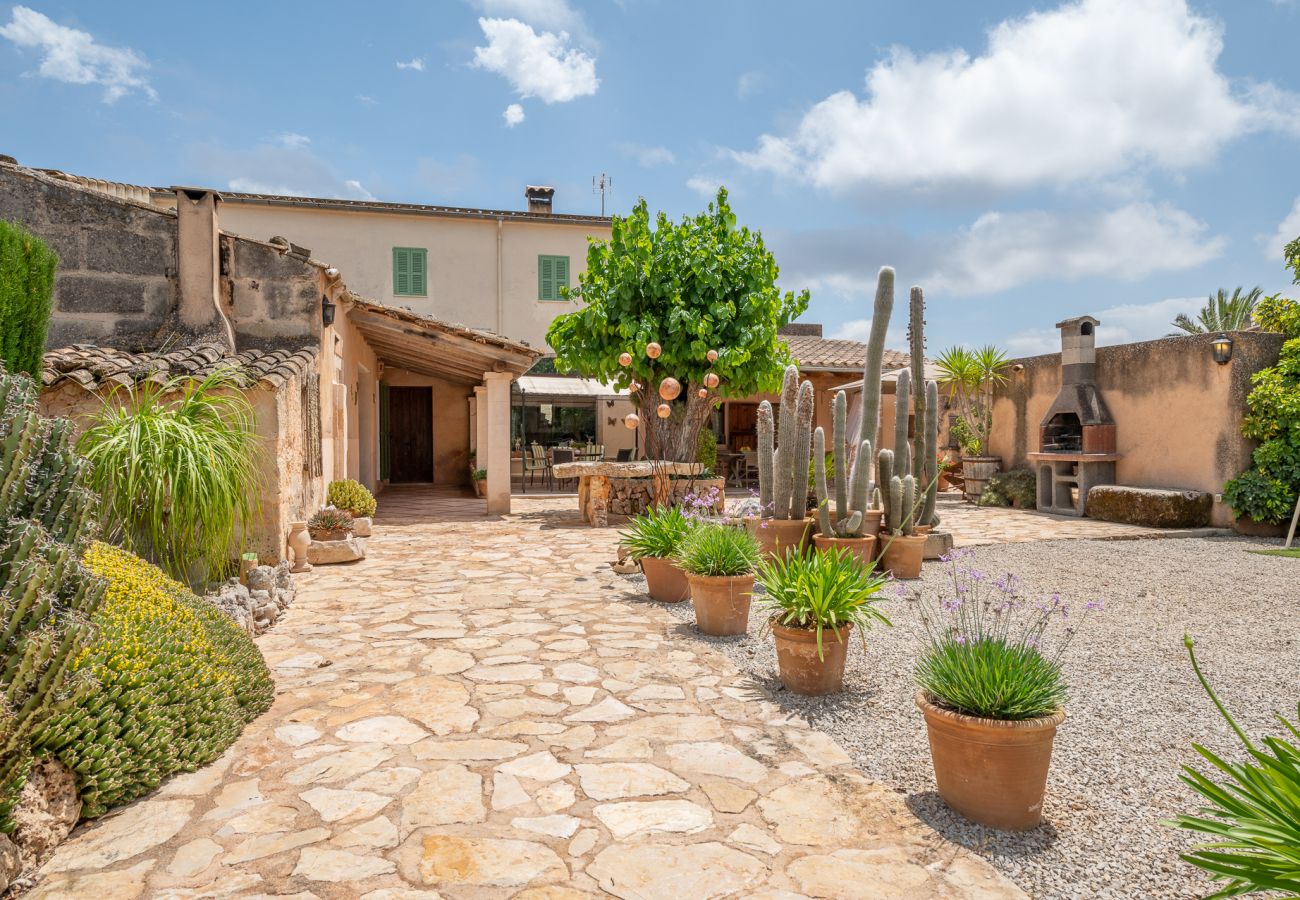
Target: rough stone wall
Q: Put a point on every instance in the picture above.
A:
(274, 293)
(631, 496)
(116, 280)
(289, 491)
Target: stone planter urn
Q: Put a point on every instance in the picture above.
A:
(992, 771)
(299, 541)
(721, 603)
(802, 670)
(665, 581)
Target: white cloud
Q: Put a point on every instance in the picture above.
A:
(1121, 324)
(748, 83)
(860, 330)
(1287, 231)
(1089, 89)
(367, 99)
(513, 115)
(536, 65)
(551, 15)
(1004, 250)
(356, 191)
(414, 65)
(649, 156)
(275, 167)
(704, 185)
(75, 57)
(292, 139)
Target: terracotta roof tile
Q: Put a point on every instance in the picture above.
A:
(95, 367)
(814, 353)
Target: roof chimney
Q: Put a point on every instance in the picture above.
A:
(198, 252)
(539, 198)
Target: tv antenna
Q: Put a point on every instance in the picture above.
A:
(602, 184)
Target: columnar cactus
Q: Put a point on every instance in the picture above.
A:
(916, 347)
(884, 307)
(885, 478)
(783, 482)
(930, 449)
(802, 451)
(902, 452)
(49, 597)
(850, 500)
(766, 450)
(902, 501)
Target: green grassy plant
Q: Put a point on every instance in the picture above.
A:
(822, 590)
(717, 550)
(657, 534)
(1293, 553)
(330, 520)
(352, 496)
(176, 465)
(174, 683)
(27, 269)
(1251, 812)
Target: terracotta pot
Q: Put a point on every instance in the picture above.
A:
(871, 520)
(802, 670)
(922, 529)
(721, 603)
(991, 771)
(334, 534)
(778, 536)
(664, 580)
(480, 487)
(1249, 527)
(901, 555)
(299, 540)
(864, 548)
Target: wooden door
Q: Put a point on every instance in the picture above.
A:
(410, 433)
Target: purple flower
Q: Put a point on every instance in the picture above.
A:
(952, 605)
(1093, 605)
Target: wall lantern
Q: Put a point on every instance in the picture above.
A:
(1222, 346)
(327, 311)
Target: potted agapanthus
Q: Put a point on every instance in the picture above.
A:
(720, 561)
(992, 692)
(654, 540)
(816, 601)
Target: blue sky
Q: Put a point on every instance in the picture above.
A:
(1023, 163)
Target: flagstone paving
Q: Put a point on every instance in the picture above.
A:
(481, 709)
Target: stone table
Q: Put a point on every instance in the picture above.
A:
(593, 481)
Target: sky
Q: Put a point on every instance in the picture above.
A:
(1023, 163)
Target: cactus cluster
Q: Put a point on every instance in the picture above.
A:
(785, 448)
(175, 681)
(47, 597)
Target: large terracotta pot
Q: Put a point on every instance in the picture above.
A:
(871, 520)
(778, 536)
(1249, 527)
(802, 670)
(977, 470)
(864, 548)
(901, 555)
(664, 580)
(721, 603)
(991, 771)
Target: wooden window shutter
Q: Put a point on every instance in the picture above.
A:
(419, 272)
(545, 278)
(401, 271)
(561, 275)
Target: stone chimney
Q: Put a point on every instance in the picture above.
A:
(539, 198)
(198, 251)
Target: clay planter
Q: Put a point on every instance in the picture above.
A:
(871, 520)
(664, 581)
(721, 603)
(991, 771)
(864, 548)
(320, 534)
(802, 670)
(1249, 527)
(480, 488)
(902, 554)
(777, 536)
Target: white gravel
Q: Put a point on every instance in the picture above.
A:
(1135, 707)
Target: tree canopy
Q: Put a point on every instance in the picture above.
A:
(691, 286)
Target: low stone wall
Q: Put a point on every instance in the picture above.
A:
(632, 496)
(257, 606)
(1152, 507)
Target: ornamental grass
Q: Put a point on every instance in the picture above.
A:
(172, 683)
(817, 591)
(658, 534)
(715, 550)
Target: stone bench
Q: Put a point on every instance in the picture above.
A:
(1151, 507)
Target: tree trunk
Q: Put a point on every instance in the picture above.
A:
(675, 438)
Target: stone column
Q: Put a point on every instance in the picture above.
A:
(480, 425)
(497, 441)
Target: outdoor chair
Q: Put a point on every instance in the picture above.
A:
(560, 455)
(535, 461)
(624, 455)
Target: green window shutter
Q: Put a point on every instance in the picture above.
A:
(552, 275)
(410, 271)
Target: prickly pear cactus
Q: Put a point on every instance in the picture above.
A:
(47, 598)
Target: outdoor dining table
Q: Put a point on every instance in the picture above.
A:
(593, 482)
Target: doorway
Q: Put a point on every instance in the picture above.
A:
(410, 429)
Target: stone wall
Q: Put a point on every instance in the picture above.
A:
(274, 292)
(632, 496)
(1178, 413)
(116, 279)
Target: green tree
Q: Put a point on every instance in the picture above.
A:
(969, 377)
(1222, 312)
(691, 286)
(26, 298)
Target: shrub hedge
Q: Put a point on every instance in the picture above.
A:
(175, 681)
(352, 496)
(27, 268)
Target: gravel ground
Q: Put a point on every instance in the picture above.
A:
(1135, 707)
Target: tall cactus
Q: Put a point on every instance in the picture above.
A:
(802, 451)
(916, 347)
(49, 597)
(819, 482)
(902, 452)
(885, 465)
(839, 429)
(930, 447)
(848, 516)
(783, 461)
(766, 450)
(880, 314)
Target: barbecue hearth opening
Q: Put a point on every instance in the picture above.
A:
(1062, 433)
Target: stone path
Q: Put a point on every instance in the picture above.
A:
(481, 709)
